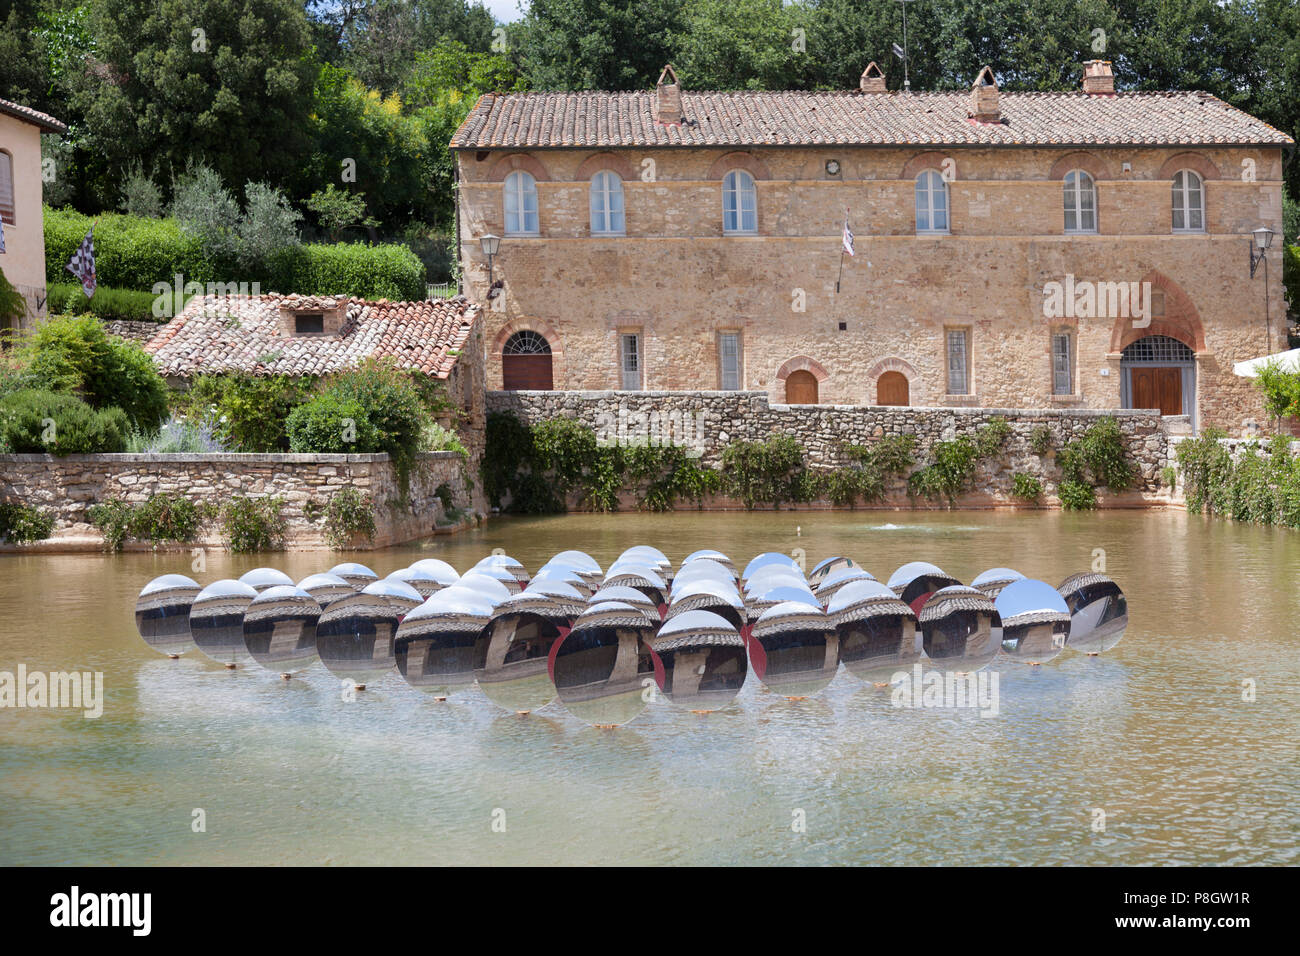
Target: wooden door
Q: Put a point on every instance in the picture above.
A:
(801, 388)
(892, 389)
(1158, 387)
(526, 372)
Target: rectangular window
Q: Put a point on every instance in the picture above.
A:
(1062, 364)
(309, 323)
(7, 187)
(729, 360)
(958, 362)
(630, 349)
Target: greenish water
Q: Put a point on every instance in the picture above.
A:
(1154, 733)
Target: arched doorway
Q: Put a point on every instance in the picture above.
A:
(526, 363)
(892, 389)
(801, 388)
(1157, 371)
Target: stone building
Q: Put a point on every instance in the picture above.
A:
(23, 257)
(1026, 250)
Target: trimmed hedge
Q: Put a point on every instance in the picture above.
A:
(130, 252)
(387, 271)
(35, 421)
(106, 304)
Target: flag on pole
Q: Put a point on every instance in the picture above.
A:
(848, 233)
(2, 234)
(82, 264)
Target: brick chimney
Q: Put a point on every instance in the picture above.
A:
(873, 79)
(984, 98)
(668, 98)
(1098, 80)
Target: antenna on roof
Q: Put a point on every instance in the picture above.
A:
(902, 53)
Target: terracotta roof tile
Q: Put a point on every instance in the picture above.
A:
(613, 120)
(35, 117)
(216, 334)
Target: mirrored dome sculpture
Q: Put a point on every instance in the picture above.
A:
(645, 580)
(259, 579)
(603, 671)
(162, 613)
(757, 604)
(357, 575)
(399, 594)
(772, 575)
(512, 652)
(768, 558)
(439, 570)
(624, 594)
(326, 587)
(1098, 612)
(992, 581)
(715, 597)
(490, 587)
(703, 660)
(434, 648)
(957, 629)
(794, 649)
(836, 579)
(703, 571)
(499, 574)
(877, 631)
(424, 582)
(823, 568)
(652, 558)
(280, 629)
(354, 637)
(709, 554)
(217, 621)
(1035, 621)
(568, 576)
(915, 581)
(505, 563)
(581, 562)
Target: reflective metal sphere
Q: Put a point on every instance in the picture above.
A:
(259, 579)
(326, 587)
(957, 629)
(357, 575)
(1098, 611)
(702, 658)
(1035, 621)
(877, 631)
(511, 654)
(434, 648)
(217, 621)
(603, 671)
(915, 581)
(280, 629)
(354, 636)
(794, 649)
(162, 613)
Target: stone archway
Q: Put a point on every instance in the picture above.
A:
(1177, 319)
(802, 377)
(894, 379)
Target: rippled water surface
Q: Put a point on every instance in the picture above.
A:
(1155, 733)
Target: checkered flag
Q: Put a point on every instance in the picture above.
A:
(82, 264)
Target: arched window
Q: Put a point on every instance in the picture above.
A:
(931, 203)
(1080, 202)
(526, 362)
(739, 203)
(521, 204)
(606, 204)
(1189, 202)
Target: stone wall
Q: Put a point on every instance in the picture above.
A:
(68, 486)
(707, 422)
(678, 282)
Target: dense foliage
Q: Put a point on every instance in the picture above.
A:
(57, 423)
(22, 523)
(1261, 483)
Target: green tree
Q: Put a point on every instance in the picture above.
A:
(338, 209)
(595, 44)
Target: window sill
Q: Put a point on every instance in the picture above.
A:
(523, 235)
(1190, 232)
(962, 400)
(1065, 399)
(933, 233)
(1082, 232)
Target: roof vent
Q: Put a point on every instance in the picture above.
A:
(668, 98)
(1098, 80)
(984, 98)
(873, 79)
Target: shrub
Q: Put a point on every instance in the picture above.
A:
(1281, 391)
(130, 252)
(876, 464)
(140, 194)
(253, 524)
(21, 523)
(164, 517)
(437, 438)
(1169, 475)
(1026, 487)
(12, 304)
(1077, 496)
(176, 437)
(388, 271)
(349, 514)
(76, 354)
(1040, 440)
(106, 304)
(766, 472)
(1098, 458)
(32, 420)
(245, 412)
(953, 468)
(383, 405)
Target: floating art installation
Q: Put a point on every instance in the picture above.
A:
(162, 613)
(603, 643)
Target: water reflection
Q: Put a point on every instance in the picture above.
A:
(703, 658)
(511, 654)
(1098, 612)
(1035, 621)
(795, 649)
(162, 613)
(217, 621)
(877, 631)
(957, 628)
(602, 668)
